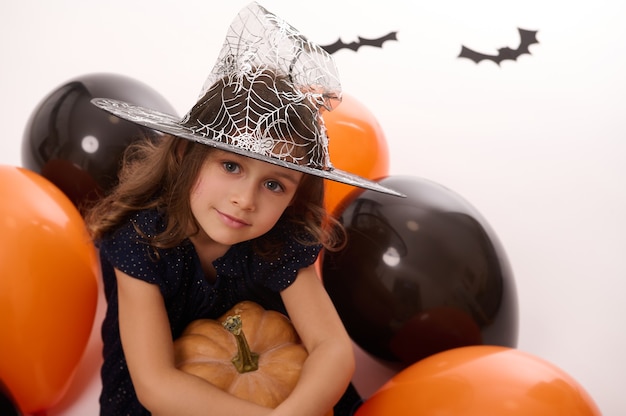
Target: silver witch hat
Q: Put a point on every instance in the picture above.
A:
(263, 99)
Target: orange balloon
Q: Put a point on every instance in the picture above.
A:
(479, 381)
(357, 144)
(49, 273)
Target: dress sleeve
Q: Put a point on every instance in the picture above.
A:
(128, 252)
(280, 273)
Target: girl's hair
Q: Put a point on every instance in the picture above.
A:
(160, 174)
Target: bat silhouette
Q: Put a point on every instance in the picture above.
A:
(527, 38)
(339, 44)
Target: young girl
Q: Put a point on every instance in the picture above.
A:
(226, 206)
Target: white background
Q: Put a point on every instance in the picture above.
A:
(536, 145)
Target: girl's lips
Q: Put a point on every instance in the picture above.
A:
(232, 221)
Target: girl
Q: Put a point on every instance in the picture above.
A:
(226, 206)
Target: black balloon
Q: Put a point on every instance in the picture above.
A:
(419, 275)
(77, 146)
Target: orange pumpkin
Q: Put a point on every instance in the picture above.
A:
(262, 366)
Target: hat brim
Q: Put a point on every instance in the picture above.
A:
(169, 124)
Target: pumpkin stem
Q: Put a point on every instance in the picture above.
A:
(245, 360)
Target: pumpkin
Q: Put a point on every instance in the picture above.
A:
(262, 366)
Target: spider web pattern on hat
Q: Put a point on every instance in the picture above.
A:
(258, 43)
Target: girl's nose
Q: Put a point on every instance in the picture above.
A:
(244, 196)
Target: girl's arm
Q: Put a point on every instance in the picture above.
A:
(148, 347)
(329, 367)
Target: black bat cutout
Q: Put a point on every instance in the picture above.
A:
(339, 44)
(527, 38)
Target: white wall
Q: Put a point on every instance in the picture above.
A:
(537, 145)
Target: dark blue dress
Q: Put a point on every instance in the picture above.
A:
(241, 275)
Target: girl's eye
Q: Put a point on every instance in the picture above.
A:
(231, 167)
(274, 186)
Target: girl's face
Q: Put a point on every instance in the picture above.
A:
(236, 198)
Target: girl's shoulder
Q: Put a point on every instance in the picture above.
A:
(145, 223)
(148, 221)
(136, 230)
(128, 248)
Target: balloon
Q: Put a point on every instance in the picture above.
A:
(49, 273)
(420, 274)
(77, 146)
(357, 144)
(478, 381)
